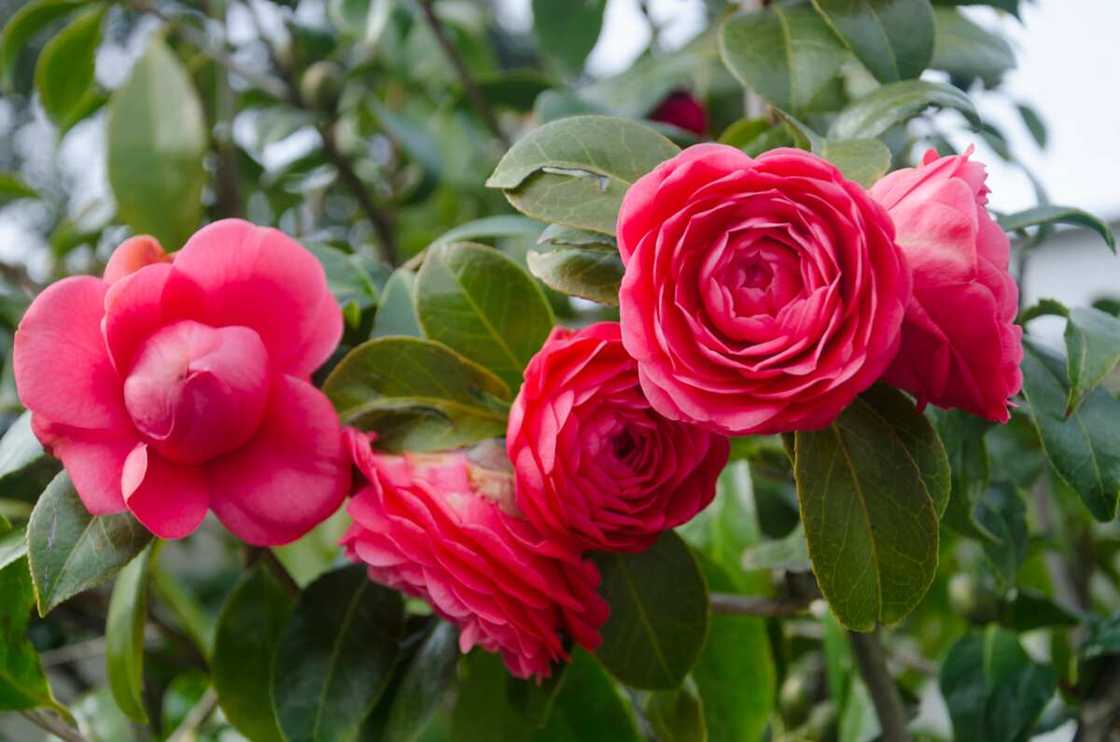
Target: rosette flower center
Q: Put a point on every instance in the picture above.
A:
(196, 392)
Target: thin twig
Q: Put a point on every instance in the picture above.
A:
(196, 717)
(75, 652)
(744, 605)
(57, 727)
(872, 661)
(477, 99)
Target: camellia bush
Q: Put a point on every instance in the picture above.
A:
(373, 371)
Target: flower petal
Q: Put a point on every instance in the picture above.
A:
(169, 499)
(93, 459)
(132, 255)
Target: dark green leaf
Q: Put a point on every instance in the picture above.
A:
(483, 712)
(316, 552)
(514, 89)
(480, 303)
(967, 51)
(893, 38)
(124, 637)
(992, 688)
(659, 614)
(574, 171)
(1093, 347)
(567, 30)
(677, 715)
(728, 526)
(64, 72)
(744, 131)
(864, 484)
(593, 273)
(28, 21)
(963, 436)
(1034, 123)
(589, 707)
(349, 276)
(427, 680)
(1001, 512)
(71, 550)
(336, 656)
(1083, 448)
(1028, 609)
(503, 225)
(1011, 6)
(249, 629)
(1104, 637)
(396, 313)
(417, 394)
(895, 103)
(157, 139)
(1044, 308)
(1043, 215)
(788, 55)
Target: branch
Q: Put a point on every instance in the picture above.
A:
(743, 605)
(872, 661)
(196, 717)
(55, 726)
(477, 100)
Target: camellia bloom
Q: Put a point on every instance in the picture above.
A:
(682, 110)
(595, 465)
(960, 344)
(434, 527)
(760, 295)
(173, 386)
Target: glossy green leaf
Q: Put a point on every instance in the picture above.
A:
(1104, 637)
(13, 543)
(677, 715)
(1083, 448)
(1093, 348)
(249, 629)
(396, 312)
(788, 55)
(124, 637)
(1049, 214)
(350, 277)
(588, 272)
(1034, 123)
(483, 711)
(861, 160)
(157, 139)
(336, 656)
(64, 71)
(480, 303)
(895, 103)
(893, 38)
(566, 30)
(491, 227)
(1029, 609)
(417, 394)
(868, 486)
(1002, 513)
(574, 171)
(25, 468)
(425, 685)
(968, 51)
(964, 440)
(24, 24)
(659, 614)
(589, 707)
(994, 691)
(71, 550)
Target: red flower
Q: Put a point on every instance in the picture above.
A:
(682, 110)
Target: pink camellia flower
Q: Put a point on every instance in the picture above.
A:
(595, 465)
(760, 295)
(960, 344)
(176, 385)
(437, 527)
(681, 109)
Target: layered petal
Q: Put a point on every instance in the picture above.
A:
(170, 499)
(93, 459)
(132, 255)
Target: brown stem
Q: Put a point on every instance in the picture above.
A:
(196, 717)
(477, 99)
(872, 661)
(745, 605)
(57, 727)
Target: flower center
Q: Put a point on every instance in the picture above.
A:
(756, 273)
(196, 392)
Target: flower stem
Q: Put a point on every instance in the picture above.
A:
(871, 659)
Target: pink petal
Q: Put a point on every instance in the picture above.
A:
(132, 255)
(133, 311)
(290, 477)
(262, 279)
(169, 499)
(93, 460)
(61, 367)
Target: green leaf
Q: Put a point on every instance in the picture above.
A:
(1002, 513)
(868, 487)
(1034, 123)
(789, 553)
(728, 526)
(1104, 637)
(575, 171)
(1011, 6)
(1083, 447)
(64, 72)
(659, 614)
(502, 225)
(336, 656)
(1049, 214)
(13, 543)
(893, 38)
(992, 688)
(483, 711)
(1093, 346)
(417, 394)
(315, 552)
(1028, 610)
(349, 276)
(892, 104)
(967, 51)
(567, 30)
(589, 707)
(425, 685)
(25, 468)
(593, 273)
(861, 160)
(677, 715)
(124, 637)
(396, 312)
(13, 188)
(70, 550)
(480, 303)
(788, 55)
(28, 21)
(157, 139)
(963, 436)
(249, 629)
